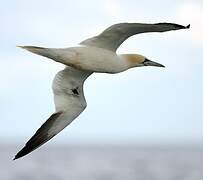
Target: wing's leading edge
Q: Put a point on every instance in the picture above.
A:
(115, 35)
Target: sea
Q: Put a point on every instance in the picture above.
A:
(103, 162)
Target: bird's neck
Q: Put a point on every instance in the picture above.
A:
(132, 60)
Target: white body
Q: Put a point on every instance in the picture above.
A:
(89, 58)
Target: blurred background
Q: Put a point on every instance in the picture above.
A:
(145, 123)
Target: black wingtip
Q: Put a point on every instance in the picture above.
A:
(188, 26)
(40, 137)
(18, 155)
(15, 158)
(176, 26)
(24, 151)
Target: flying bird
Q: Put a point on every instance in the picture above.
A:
(96, 54)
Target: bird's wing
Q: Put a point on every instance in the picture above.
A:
(69, 101)
(115, 35)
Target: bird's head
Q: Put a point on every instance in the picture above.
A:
(136, 60)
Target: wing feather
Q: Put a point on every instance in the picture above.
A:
(115, 35)
(68, 104)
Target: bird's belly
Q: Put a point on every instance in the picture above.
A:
(97, 60)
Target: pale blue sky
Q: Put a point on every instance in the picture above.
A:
(143, 104)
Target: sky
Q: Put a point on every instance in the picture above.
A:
(144, 105)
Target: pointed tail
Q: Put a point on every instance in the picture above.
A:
(46, 52)
(39, 50)
(63, 56)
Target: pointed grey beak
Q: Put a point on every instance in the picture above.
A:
(148, 62)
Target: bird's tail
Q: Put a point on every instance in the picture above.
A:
(63, 56)
(33, 49)
(46, 52)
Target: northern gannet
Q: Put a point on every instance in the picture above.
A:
(96, 54)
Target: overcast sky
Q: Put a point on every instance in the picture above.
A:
(142, 104)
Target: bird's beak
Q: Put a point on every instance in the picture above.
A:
(148, 62)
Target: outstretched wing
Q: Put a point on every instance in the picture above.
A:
(115, 35)
(69, 101)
